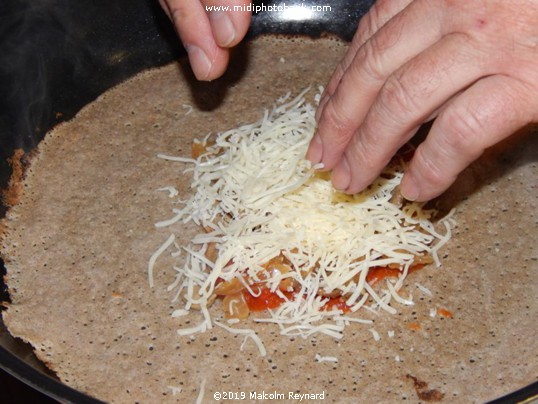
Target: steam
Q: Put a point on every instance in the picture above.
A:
(34, 37)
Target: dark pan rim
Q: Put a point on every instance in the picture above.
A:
(262, 23)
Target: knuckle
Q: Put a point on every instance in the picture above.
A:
(335, 118)
(339, 72)
(383, 7)
(364, 150)
(429, 167)
(363, 30)
(374, 19)
(396, 100)
(379, 13)
(462, 129)
(179, 12)
(368, 61)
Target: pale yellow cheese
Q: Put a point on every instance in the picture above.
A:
(260, 198)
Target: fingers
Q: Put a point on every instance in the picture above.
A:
(381, 12)
(489, 111)
(166, 9)
(444, 59)
(406, 100)
(229, 27)
(207, 59)
(388, 49)
(206, 31)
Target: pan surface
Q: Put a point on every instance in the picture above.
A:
(59, 55)
(13, 363)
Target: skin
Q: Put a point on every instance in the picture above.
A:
(207, 35)
(472, 65)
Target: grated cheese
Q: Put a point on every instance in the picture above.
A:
(179, 313)
(175, 390)
(188, 107)
(320, 358)
(193, 330)
(172, 191)
(156, 255)
(258, 197)
(375, 334)
(348, 320)
(200, 398)
(397, 297)
(424, 289)
(248, 333)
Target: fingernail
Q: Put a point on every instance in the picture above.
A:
(223, 29)
(409, 188)
(315, 150)
(200, 63)
(341, 175)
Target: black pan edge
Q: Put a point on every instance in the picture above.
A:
(63, 54)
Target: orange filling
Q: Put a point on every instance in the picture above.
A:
(377, 274)
(337, 303)
(444, 313)
(414, 326)
(265, 299)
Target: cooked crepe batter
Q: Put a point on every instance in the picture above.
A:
(78, 243)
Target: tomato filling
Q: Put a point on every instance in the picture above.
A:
(444, 313)
(265, 299)
(377, 274)
(337, 303)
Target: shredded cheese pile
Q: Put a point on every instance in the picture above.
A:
(257, 197)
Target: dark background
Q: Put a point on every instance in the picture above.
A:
(16, 392)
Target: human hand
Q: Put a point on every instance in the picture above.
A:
(471, 64)
(208, 34)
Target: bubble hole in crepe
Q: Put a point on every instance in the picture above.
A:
(77, 245)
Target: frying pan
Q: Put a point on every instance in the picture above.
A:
(59, 55)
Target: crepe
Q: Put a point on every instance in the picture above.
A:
(77, 246)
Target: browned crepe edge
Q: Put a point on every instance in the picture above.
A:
(435, 383)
